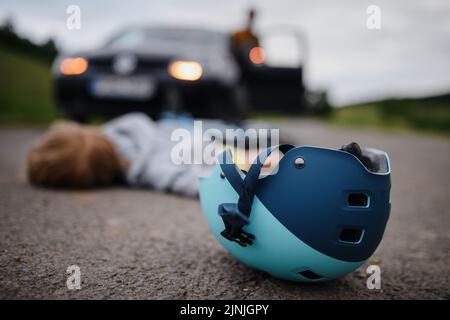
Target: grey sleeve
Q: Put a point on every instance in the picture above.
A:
(147, 146)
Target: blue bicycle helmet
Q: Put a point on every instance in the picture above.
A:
(321, 216)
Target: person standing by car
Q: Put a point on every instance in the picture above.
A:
(243, 41)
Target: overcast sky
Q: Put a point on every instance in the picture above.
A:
(408, 56)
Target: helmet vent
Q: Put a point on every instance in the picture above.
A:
(351, 235)
(358, 200)
(310, 275)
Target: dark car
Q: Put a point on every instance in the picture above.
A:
(152, 69)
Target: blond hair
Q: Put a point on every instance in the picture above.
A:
(74, 156)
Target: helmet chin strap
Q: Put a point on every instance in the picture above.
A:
(236, 215)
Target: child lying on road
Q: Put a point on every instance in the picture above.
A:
(132, 148)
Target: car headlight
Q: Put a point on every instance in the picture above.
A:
(73, 66)
(186, 70)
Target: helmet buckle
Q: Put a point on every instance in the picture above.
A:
(234, 220)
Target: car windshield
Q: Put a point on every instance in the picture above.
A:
(151, 37)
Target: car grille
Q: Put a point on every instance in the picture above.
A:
(144, 65)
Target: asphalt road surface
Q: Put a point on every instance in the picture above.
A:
(139, 244)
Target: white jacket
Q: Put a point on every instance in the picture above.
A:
(147, 146)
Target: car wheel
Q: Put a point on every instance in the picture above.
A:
(241, 102)
(231, 106)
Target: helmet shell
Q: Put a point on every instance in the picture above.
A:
(299, 214)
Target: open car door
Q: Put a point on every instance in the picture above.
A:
(275, 82)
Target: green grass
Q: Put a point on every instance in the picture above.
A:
(424, 115)
(25, 90)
